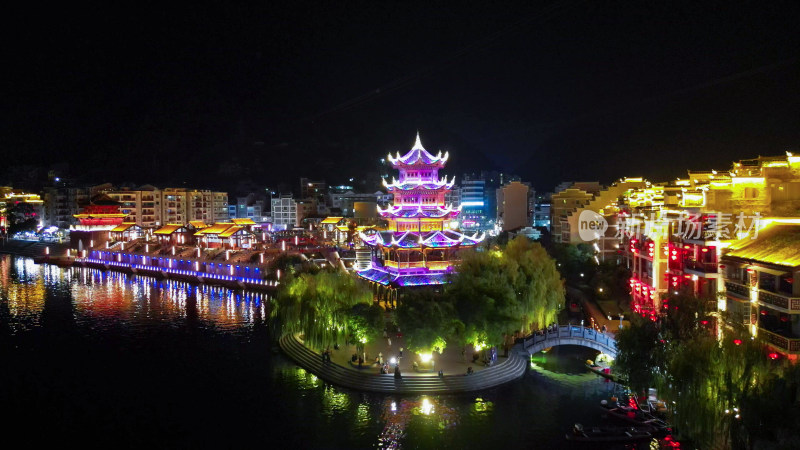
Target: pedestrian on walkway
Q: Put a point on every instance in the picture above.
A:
(390, 341)
(401, 352)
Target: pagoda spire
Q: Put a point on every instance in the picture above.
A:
(418, 143)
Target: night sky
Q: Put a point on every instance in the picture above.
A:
(231, 97)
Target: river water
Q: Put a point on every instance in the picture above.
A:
(106, 359)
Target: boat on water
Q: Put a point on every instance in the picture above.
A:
(608, 434)
(635, 417)
(604, 372)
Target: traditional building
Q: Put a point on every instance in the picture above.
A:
(95, 221)
(418, 245)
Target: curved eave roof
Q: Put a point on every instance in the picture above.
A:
(418, 156)
(431, 239)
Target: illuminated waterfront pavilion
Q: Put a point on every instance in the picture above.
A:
(420, 242)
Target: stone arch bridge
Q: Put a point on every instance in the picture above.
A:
(571, 335)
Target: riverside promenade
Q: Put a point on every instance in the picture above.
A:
(340, 372)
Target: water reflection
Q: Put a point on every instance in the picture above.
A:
(226, 355)
(112, 297)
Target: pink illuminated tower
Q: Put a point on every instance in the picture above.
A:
(421, 241)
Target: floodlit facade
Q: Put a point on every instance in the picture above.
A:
(149, 206)
(679, 233)
(419, 244)
(761, 294)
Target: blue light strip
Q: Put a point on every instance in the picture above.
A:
(253, 281)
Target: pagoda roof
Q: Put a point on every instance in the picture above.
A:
(246, 221)
(198, 224)
(430, 239)
(386, 278)
(418, 156)
(400, 211)
(408, 185)
(378, 276)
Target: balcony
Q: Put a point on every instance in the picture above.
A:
(404, 265)
(787, 344)
(784, 302)
(738, 290)
(701, 269)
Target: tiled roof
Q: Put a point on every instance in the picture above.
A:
(124, 226)
(217, 228)
(168, 229)
(775, 244)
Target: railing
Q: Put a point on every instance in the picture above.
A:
(781, 342)
(738, 289)
(404, 265)
(779, 300)
(700, 266)
(570, 331)
(438, 265)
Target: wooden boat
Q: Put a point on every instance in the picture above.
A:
(608, 434)
(636, 417)
(601, 371)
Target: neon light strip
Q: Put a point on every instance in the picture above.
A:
(256, 281)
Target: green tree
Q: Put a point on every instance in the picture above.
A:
(21, 216)
(713, 384)
(365, 322)
(639, 354)
(502, 291)
(428, 320)
(319, 305)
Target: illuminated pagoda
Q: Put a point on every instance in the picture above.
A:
(420, 242)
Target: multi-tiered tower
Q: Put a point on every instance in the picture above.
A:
(421, 242)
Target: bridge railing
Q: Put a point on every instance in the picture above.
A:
(570, 331)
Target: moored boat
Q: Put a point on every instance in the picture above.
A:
(608, 434)
(635, 417)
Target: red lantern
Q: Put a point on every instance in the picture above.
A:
(737, 341)
(773, 355)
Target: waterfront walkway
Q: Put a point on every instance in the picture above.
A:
(505, 370)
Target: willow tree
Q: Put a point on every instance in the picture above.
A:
(319, 305)
(711, 383)
(533, 274)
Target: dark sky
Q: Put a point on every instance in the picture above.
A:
(550, 90)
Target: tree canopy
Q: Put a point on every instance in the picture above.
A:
(719, 385)
(495, 293)
(321, 306)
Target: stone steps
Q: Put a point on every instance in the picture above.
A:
(30, 249)
(510, 369)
